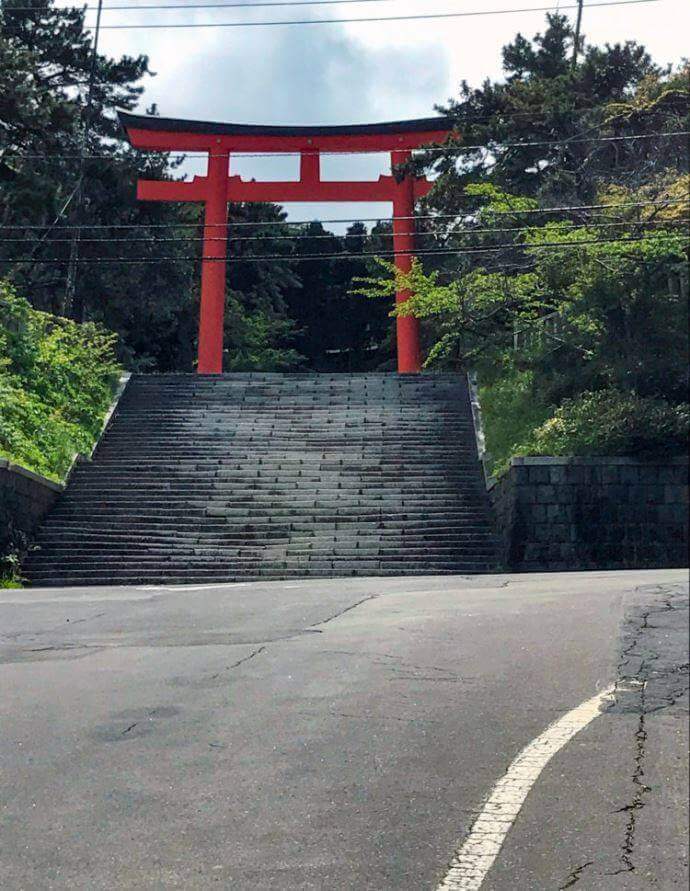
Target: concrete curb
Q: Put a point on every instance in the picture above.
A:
(79, 457)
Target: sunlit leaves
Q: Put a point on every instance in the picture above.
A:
(56, 382)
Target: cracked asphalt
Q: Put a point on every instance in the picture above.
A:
(341, 734)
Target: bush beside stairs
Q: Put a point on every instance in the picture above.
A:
(269, 476)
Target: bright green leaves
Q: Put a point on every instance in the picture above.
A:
(56, 382)
(611, 422)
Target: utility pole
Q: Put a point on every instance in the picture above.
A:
(576, 43)
(71, 282)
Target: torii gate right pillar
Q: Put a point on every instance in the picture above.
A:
(407, 327)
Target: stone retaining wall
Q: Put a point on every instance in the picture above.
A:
(25, 499)
(592, 513)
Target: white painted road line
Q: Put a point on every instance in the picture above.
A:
(192, 587)
(476, 855)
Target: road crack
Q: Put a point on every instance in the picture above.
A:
(643, 688)
(641, 790)
(401, 670)
(345, 610)
(239, 662)
(575, 876)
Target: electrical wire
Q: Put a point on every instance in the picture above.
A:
(546, 245)
(432, 216)
(183, 6)
(442, 149)
(233, 239)
(396, 18)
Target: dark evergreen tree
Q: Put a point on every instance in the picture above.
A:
(338, 331)
(612, 91)
(138, 271)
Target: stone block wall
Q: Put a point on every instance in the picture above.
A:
(592, 513)
(25, 499)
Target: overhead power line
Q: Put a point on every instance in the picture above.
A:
(545, 245)
(433, 149)
(109, 7)
(567, 208)
(396, 18)
(466, 233)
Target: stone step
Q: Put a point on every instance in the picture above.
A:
(360, 432)
(338, 461)
(297, 525)
(159, 554)
(366, 419)
(84, 489)
(363, 419)
(87, 537)
(369, 418)
(282, 515)
(273, 455)
(52, 579)
(269, 560)
(297, 499)
(104, 476)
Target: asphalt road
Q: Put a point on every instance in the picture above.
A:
(341, 734)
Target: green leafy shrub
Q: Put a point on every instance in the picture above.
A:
(10, 567)
(259, 341)
(56, 382)
(610, 422)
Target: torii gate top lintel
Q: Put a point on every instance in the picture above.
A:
(217, 188)
(175, 134)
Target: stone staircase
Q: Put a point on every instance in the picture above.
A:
(258, 476)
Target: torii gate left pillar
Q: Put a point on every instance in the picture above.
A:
(213, 267)
(218, 188)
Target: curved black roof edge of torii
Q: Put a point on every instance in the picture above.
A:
(180, 125)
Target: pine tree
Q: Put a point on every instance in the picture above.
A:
(543, 99)
(138, 268)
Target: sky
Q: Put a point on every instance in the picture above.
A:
(340, 73)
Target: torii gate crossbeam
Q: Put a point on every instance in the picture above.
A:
(218, 188)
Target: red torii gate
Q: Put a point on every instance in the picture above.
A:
(218, 188)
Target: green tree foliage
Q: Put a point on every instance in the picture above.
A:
(337, 331)
(611, 422)
(605, 321)
(613, 91)
(259, 333)
(57, 378)
(139, 261)
(589, 315)
(579, 337)
(42, 121)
